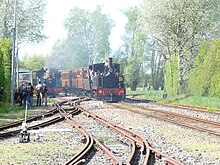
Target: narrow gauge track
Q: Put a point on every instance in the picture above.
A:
(181, 106)
(172, 117)
(139, 144)
(192, 108)
(90, 140)
(33, 118)
(36, 126)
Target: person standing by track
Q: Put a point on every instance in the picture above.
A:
(44, 91)
(66, 88)
(39, 94)
(30, 93)
(21, 93)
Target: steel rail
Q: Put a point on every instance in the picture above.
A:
(142, 142)
(89, 138)
(130, 137)
(36, 126)
(181, 124)
(30, 119)
(178, 115)
(89, 142)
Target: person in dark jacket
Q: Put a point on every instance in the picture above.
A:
(21, 92)
(66, 88)
(30, 93)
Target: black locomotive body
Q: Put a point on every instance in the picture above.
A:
(103, 80)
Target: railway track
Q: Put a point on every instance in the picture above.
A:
(143, 146)
(139, 150)
(180, 106)
(208, 126)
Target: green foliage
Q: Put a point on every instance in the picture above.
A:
(29, 18)
(102, 29)
(135, 50)
(5, 68)
(5, 109)
(132, 71)
(33, 62)
(87, 39)
(171, 76)
(204, 79)
(178, 26)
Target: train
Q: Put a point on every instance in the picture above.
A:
(103, 81)
(52, 77)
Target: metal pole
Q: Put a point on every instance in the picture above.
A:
(13, 56)
(17, 69)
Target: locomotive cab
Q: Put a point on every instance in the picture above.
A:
(109, 82)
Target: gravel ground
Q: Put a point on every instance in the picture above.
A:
(202, 115)
(110, 138)
(54, 144)
(59, 142)
(189, 146)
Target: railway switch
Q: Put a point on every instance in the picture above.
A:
(25, 136)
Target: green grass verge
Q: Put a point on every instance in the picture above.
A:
(211, 103)
(146, 94)
(8, 115)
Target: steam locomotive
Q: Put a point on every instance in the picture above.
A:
(102, 81)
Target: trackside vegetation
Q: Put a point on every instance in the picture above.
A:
(204, 78)
(5, 68)
(211, 103)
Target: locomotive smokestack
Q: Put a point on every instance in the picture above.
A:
(110, 64)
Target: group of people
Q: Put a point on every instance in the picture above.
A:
(26, 92)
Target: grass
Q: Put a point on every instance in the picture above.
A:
(19, 153)
(8, 115)
(146, 94)
(104, 139)
(211, 103)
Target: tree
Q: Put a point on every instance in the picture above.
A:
(30, 20)
(135, 48)
(101, 31)
(5, 68)
(156, 67)
(79, 31)
(33, 62)
(87, 36)
(204, 78)
(179, 26)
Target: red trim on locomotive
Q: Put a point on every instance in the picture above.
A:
(110, 91)
(57, 90)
